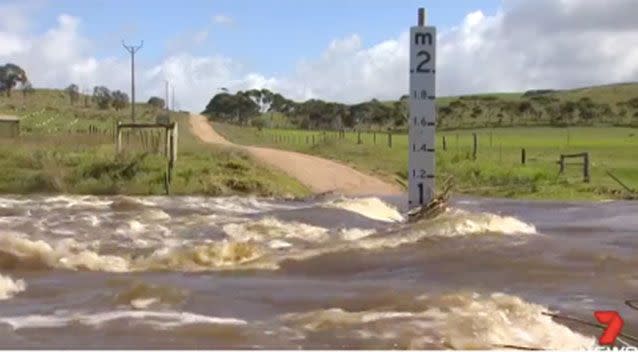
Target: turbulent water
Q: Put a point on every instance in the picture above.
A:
(190, 272)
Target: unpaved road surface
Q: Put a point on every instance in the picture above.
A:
(318, 174)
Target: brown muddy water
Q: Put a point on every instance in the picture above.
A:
(189, 272)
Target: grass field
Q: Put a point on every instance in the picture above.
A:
(497, 170)
(70, 149)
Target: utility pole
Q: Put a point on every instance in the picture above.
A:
(166, 101)
(132, 50)
(173, 99)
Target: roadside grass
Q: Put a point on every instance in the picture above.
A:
(56, 153)
(497, 170)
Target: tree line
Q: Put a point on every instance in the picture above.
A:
(105, 98)
(14, 77)
(536, 107)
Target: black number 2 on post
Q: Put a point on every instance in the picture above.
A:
(425, 61)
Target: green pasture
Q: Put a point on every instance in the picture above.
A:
(497, 169)
(66, 148)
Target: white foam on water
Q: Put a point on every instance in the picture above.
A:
(164, 319)
(456, 222)
(452, 223)
(142, 233)
(279, 244)
(155, 214)
(272, 228)
(478, 223)
(69, 201)
(145, 201)
(19, 251)
(135, 226)
(143, 303)
(458, 321)
(10, 287)
(7, 202)
(159, 319)
(35, 321)
(371, 207)
(93, 220)
(67, 254)
(355, 234)
(235, 204)
(62, 232)
(224, 255)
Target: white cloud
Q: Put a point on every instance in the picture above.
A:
(223, 19)
(186, 41)
(10, 44)
(526, 44)
(13, 16)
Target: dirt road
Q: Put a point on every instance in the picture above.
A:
(318, 174)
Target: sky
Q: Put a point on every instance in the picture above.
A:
(340, 50)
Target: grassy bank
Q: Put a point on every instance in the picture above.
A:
(497, 170)
(66, 148)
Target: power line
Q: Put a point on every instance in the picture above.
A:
(132, 50)
(166, 101)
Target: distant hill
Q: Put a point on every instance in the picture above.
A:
(609, 105)
(58, 102)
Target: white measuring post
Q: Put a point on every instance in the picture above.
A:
(422, 118)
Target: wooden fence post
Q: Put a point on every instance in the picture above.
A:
(175, 140)
(359, 137)
(167, 142)
(586, 167)
(118, 133)
(562, 164)
(374, 138)
(474, 145)
(444, 144)
(389, 139)
(523, 156)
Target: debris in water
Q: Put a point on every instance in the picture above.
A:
(436, 207)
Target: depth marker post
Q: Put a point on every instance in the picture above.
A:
(422, 122)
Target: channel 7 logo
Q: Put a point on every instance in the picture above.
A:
(614, 324)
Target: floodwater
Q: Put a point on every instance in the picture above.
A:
(336, 272)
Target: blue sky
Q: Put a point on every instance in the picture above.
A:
(340, 50)
(267, 36)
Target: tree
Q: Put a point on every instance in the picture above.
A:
(74, 93)
(10, 76)
(102, 96)
(259, 122)
(157, 103)
(444, 113)
(27, 88)
(401, 111)
(567, 111)
(119, 100)
(234, 108)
